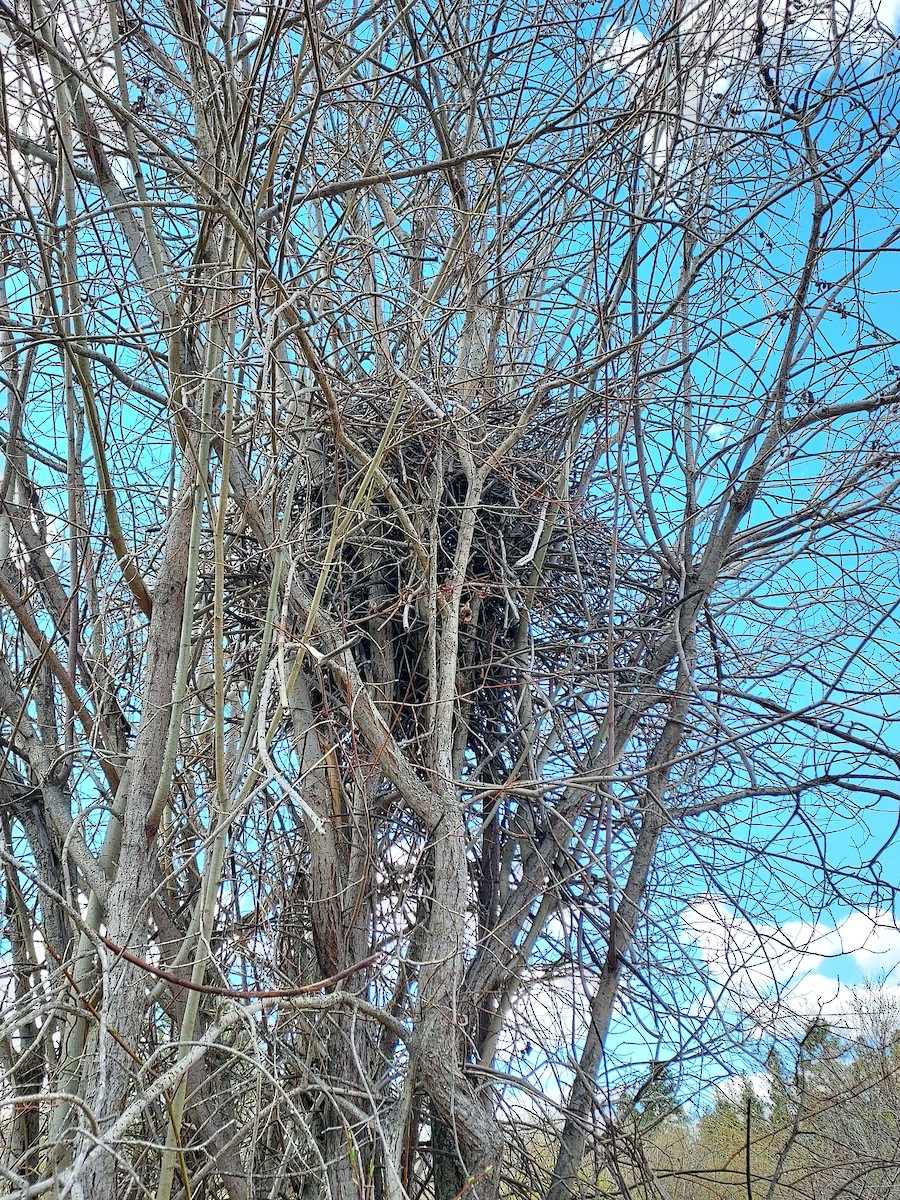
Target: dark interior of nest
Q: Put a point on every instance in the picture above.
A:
(524, 571)
(376, 587)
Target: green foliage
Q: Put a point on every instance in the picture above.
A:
(826, 1127)
(653, 1102)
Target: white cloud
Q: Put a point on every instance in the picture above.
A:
(718, 48)
(889, 13)
(622, 50)
(734, 1087)
(814, 994)
(771, 972)
(764, 955)
(872, 938)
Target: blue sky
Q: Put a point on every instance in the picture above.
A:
(790, 953)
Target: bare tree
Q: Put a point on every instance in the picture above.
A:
(820, 1121)
(447, 525)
